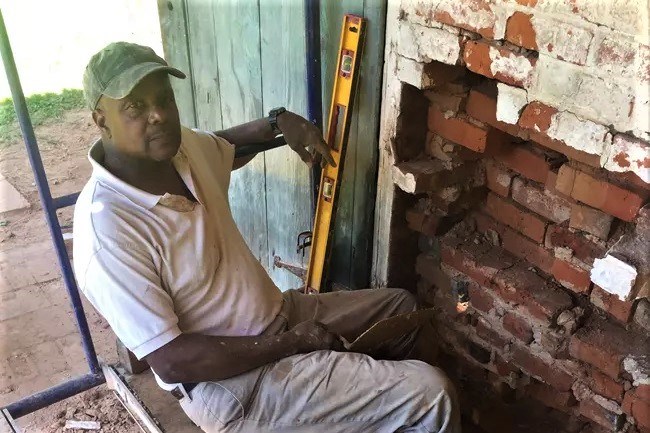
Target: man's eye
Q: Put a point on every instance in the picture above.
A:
(135, 106)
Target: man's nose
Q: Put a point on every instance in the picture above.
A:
(157, 114)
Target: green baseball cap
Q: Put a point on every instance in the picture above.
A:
(118, 68)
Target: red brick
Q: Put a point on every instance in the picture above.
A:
(522, 247)
(575, 279)
(618, 309)
(491, 336)
(566, 177)
(445, 103)
(542, 202)
(520, 31)
(595, 412)
(423, 222)
(607, 197)
(504, 368)
(532, 293)
(479, 262)
(591, 221)
(458, 130)
(636, 403)
(583, 249)
(605, 386)
(550, 396)
(549, 374)
(480, 298)
(537, 116)
(518, 327)
(498, 179)
(520, 158)
(483, 107)
(604, 345)
(522, 221)
(478, 58)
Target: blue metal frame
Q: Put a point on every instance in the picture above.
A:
(314, 85)
(50, 205)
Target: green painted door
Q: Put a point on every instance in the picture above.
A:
(245, 57)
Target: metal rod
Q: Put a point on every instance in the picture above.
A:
(27, 130)
(55, 394)
(314, 85)
(65, 201)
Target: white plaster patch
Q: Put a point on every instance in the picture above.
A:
(503, 179)
(640, 374)
(610, 405)
(561, 40)
(412, 72)
(511, 65)
(425, 44)
(583, 135)
(628, 155)
(510, 101)
(614, 276)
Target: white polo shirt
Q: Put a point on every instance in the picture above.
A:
(158, 266)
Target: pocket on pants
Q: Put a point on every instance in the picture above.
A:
(212, 407)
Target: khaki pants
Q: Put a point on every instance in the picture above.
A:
(332, 392)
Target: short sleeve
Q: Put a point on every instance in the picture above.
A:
(218, 153)
(124, 287)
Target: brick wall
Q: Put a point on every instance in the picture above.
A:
(531, 191)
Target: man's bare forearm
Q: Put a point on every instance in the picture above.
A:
(192, 358)
(256, 131)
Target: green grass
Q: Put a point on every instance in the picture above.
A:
(42, 108)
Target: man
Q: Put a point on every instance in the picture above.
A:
(158, 253)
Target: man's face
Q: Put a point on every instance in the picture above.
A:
(144, 124)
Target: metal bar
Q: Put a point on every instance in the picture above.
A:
(65, 201)
(55, 394)
(314, 85)
(254, 148)
(27, 130)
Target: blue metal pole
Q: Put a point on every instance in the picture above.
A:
(34, 155)
(314, 85)
(55, 394)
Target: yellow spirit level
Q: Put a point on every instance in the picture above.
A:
(337, 136)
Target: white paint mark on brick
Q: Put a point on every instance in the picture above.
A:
(512, 65)
(628, 154)
(425, 44)
(510, 101)
(614, 276)
(583, 135)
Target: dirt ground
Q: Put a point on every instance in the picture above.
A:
(64, 144)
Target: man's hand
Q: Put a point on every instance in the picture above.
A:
(312, 335)
(300, 133)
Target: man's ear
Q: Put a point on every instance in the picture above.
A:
(99, 117)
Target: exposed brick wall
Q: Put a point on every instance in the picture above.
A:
(531, 189)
